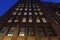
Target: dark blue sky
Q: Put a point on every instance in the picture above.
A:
(5, 5)
(51, 1)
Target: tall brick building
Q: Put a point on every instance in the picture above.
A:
(31, 20)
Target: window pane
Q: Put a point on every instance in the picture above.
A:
(10, 33)
(22, 31)
(30, 19)
(37, 20)
(40, 13)
(16, 9)
(44, 20)
(19, 13)
(30, 31)
(14, 13)
(15, 20)
(25, 13)
(36, 13)
(24, 20)
(21, 9)
(30, 13)
(3, 31)
(9, 20)
(41, 31)
(50, 31)
(25, 9)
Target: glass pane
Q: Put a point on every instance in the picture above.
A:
(22, 31)
(14, 13)
(37, 20)
(10, 33)
(24, 20)
(30, 19)
(3, 31)
(44, 20)
(41, 31)
(30, 31)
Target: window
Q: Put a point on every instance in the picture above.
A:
(10, 33)
(16, 9)
(22, 6)
(40, 13)
(50, 31)
(21, 9)
(16, 20)
(39, 9)
(37, 20)
(9, 21)
(25, 13)
(34, 9)
(41, 31)
(26, 6)
(30, 31)
(33, 6)
(3, 31)
(22, 31)
(30, 19)
(18, 6)
(24, 20)
(19, 13)
(44, 20)
(29, 9)
(30, 13)
(14, 13)
(58, 13)
(25, 9)
(36, 13)
(37, 6)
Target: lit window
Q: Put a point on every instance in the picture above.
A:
(9, 20)
(17, 9)
(22, 31)
(11, 31)
(39, 9)
(21, 9)
(58, 13)
(14, 13)
(40, 13)
(16, 20)
(24, 20)
(30, 19)
(25, 13)
(25, 9)
(19, 13)
(44, 20)
(30, 31)
(3, 31)
(37, 20)
(30, 13)
(36, 13)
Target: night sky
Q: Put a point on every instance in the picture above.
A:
(5, 5)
